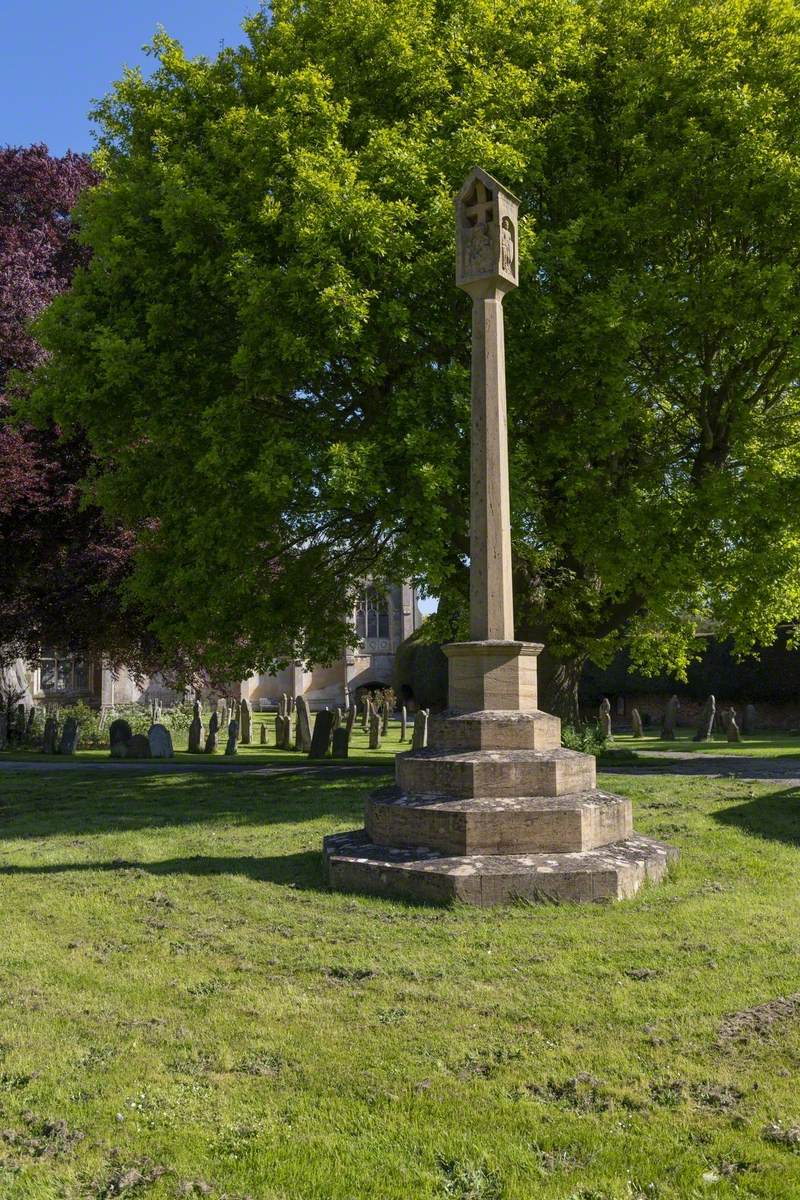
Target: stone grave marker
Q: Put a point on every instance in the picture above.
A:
(196, 733)
(604, 716)
(670, 720)
(160, 741)
(419, 738)
(384, 718)
(749, 719)
(375, 731)
(233, 737)
(139, 747)
(263, 733)
(403, 723)
(50, 736)
(731, 726)
(70, 736)
(119, 736)
(321, 737)
(246, 718)
(705, 722)
(287, 743)
(213, 732)
(303, 725)
(636, 723)
(341, 743)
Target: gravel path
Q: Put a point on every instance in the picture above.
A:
(731, 766)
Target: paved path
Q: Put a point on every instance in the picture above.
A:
(731, 766)
(179, 768)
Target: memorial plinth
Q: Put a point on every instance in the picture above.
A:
(494, 808)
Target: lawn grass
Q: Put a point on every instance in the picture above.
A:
(177, 984)
(253, 755)
(762, 744)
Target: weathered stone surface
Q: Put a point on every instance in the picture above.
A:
(213, 732)
(375, 731)
(119, 736)
(350, 721)
(246, 719)
(50, 736)
(233, 737)
(403, 723)
(508, 825)
(70, 736)
(341, 743)
(160, 741)
(636, 723)
(749, 719)
(670, 720)
(419, 737)
(494, 730)
(196, 735)
(705, 722)
(303, 738)
(263, 734)
(475, 773)
(286, 730)
(731, 726)
(612, 872)
(604, 717)
(384, 718)
(492, 675)
(321, 738)
(139, 747)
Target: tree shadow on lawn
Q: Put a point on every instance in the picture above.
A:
(303, 870)
(775, 816)
(46, 807)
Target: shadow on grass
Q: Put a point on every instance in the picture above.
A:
(775, 816)
(36, 807)
(302, 870)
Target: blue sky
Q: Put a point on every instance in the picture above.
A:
(56, 57)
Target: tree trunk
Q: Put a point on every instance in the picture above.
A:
(558, 687)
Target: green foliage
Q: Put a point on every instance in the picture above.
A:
(589, 739)
(271, 362)
(420, 672)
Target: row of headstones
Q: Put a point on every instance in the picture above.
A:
(237, 717)
(156, 743)
(332, 729)
(18, 728)
(725, 720)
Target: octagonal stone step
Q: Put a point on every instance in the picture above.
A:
(613, 872)
(494, 729)
(492, 773)
(497, 825)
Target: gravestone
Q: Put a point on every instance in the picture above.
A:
(303, 724)
(279, 723)
(705, 722)
(731, 726)
(749, 719)
(341, 743)
(160, 741)
(419, 738)
(247, 722)
(287, 732)
(263, 733)
(365, 714)
(403, 723)
(337, 718)
(119, 736)
(139, 747)
(384, 718)
(233, 737)
(604, 715)
(350, 722)
(321, 737)
(636, 723)
(50, 737)
(213, 732)
(70, 736)
(670, 720)
(30, 724)
(196, 733)
(551, 834)
(375, 731)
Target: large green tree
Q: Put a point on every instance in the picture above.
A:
(270, 360)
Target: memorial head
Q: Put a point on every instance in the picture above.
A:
(486, 233)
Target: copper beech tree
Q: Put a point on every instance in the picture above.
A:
(270, 362)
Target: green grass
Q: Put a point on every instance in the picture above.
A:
(177, 984)
(252, 755)
(761, 745)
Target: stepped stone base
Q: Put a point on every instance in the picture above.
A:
(495, 772)
(497, 825)
(613, 872)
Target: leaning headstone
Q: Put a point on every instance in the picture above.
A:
(636, 722)
(321, 737)
(670, 720)
(50, 736)
(375, 731)
(350, 721)
(160, 741)
(139, 747)
(213, 732)
(419, 738)
(731, 726)
(604, 716)
(341, 743)
(247, 722)
(705, 722)
(233, 737)
(403, 723)
(749, 719)
(3, 731)
(303, 737)
(70, 736)
(119, 736)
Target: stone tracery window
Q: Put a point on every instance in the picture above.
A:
(62, 672)
(372, 615)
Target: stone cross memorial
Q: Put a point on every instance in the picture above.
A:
(494, 808)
